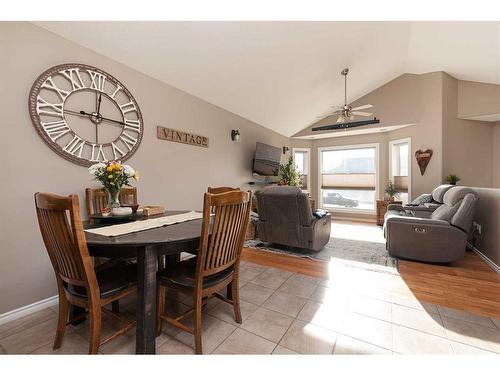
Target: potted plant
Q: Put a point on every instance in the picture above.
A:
(288, 174)
(113, 175)
(391, 191)
(452, 179)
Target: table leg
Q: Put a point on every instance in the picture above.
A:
(147, 265)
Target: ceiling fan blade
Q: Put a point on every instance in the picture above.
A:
(366, 106)
(357, 113)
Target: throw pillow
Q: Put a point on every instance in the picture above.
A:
(422, 199)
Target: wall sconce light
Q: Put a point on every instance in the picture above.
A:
(285, 150)
(235, 135)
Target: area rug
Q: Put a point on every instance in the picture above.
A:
(360, 254)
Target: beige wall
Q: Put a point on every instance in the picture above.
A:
(477, 99)
(488, 216)
(174, 175)
(495, 163)
(467, 146)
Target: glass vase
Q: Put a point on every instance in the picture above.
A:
(114, 199)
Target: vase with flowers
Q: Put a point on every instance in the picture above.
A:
(113, 175)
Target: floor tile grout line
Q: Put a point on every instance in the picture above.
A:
(441, 315)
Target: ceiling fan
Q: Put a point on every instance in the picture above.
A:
(347, 112)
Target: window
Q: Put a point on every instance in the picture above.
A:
(399, 166)
(303, 163)
(348, 177)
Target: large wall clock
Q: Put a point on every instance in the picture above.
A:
(85, 114)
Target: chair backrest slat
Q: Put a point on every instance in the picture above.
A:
(222, 248)
(62, 232)
(97, 199)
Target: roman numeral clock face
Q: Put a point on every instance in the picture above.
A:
(85, 115)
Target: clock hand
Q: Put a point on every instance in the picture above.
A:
(76, 113)
(103, 118)
(99, 104)
(113, 121)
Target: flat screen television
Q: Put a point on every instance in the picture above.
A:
(267, 160)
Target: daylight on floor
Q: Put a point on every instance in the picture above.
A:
(250, 185)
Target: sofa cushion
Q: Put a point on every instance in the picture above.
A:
(455, 195)
(439, 192)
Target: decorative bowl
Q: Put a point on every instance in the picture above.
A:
(134, 207)
(121, 211)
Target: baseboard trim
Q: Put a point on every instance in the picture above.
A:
(488, 261)
(28, 309)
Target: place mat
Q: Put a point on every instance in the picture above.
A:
(140, 225)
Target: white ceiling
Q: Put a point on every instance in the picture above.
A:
(283, 75)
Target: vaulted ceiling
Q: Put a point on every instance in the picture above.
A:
(283, 75)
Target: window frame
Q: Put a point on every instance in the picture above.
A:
(391, 147)
(377, 176)
(308, 152)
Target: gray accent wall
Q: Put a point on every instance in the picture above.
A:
(173, 175)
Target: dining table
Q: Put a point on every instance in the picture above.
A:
(146, 246)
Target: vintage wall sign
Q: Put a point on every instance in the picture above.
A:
(173, 135)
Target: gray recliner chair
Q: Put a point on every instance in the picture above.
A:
(440, 238)
(425, 210)
(286, 218)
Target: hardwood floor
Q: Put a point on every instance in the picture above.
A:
(304, 266)
(468, 285)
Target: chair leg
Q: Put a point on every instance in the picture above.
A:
(235, 297)
(160, 308)
(62, 320)
(95, 329)
(115, 306)
(197, 324)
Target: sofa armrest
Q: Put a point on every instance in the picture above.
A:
(416, 220)
(395, 207)
(424, 239)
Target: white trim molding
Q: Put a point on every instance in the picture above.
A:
(28, 309)
(488, 261)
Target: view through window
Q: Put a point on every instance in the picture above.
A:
(301, 158)
(400, 168)
(348, 177)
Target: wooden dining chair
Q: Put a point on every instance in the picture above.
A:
(78, 283)
(97, 199)
(221, 189)
(217, 263)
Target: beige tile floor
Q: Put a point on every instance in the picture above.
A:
(355, 312)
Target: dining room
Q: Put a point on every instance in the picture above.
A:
(105, 111)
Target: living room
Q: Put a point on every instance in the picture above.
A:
(334, 185)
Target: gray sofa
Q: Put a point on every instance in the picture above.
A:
(439, 238)
(425, 210)
(286, 218)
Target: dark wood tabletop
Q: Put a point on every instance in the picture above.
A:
(167, 234)
(146, 246)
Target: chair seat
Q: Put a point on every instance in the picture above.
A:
(183, 275)
(113, 277)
